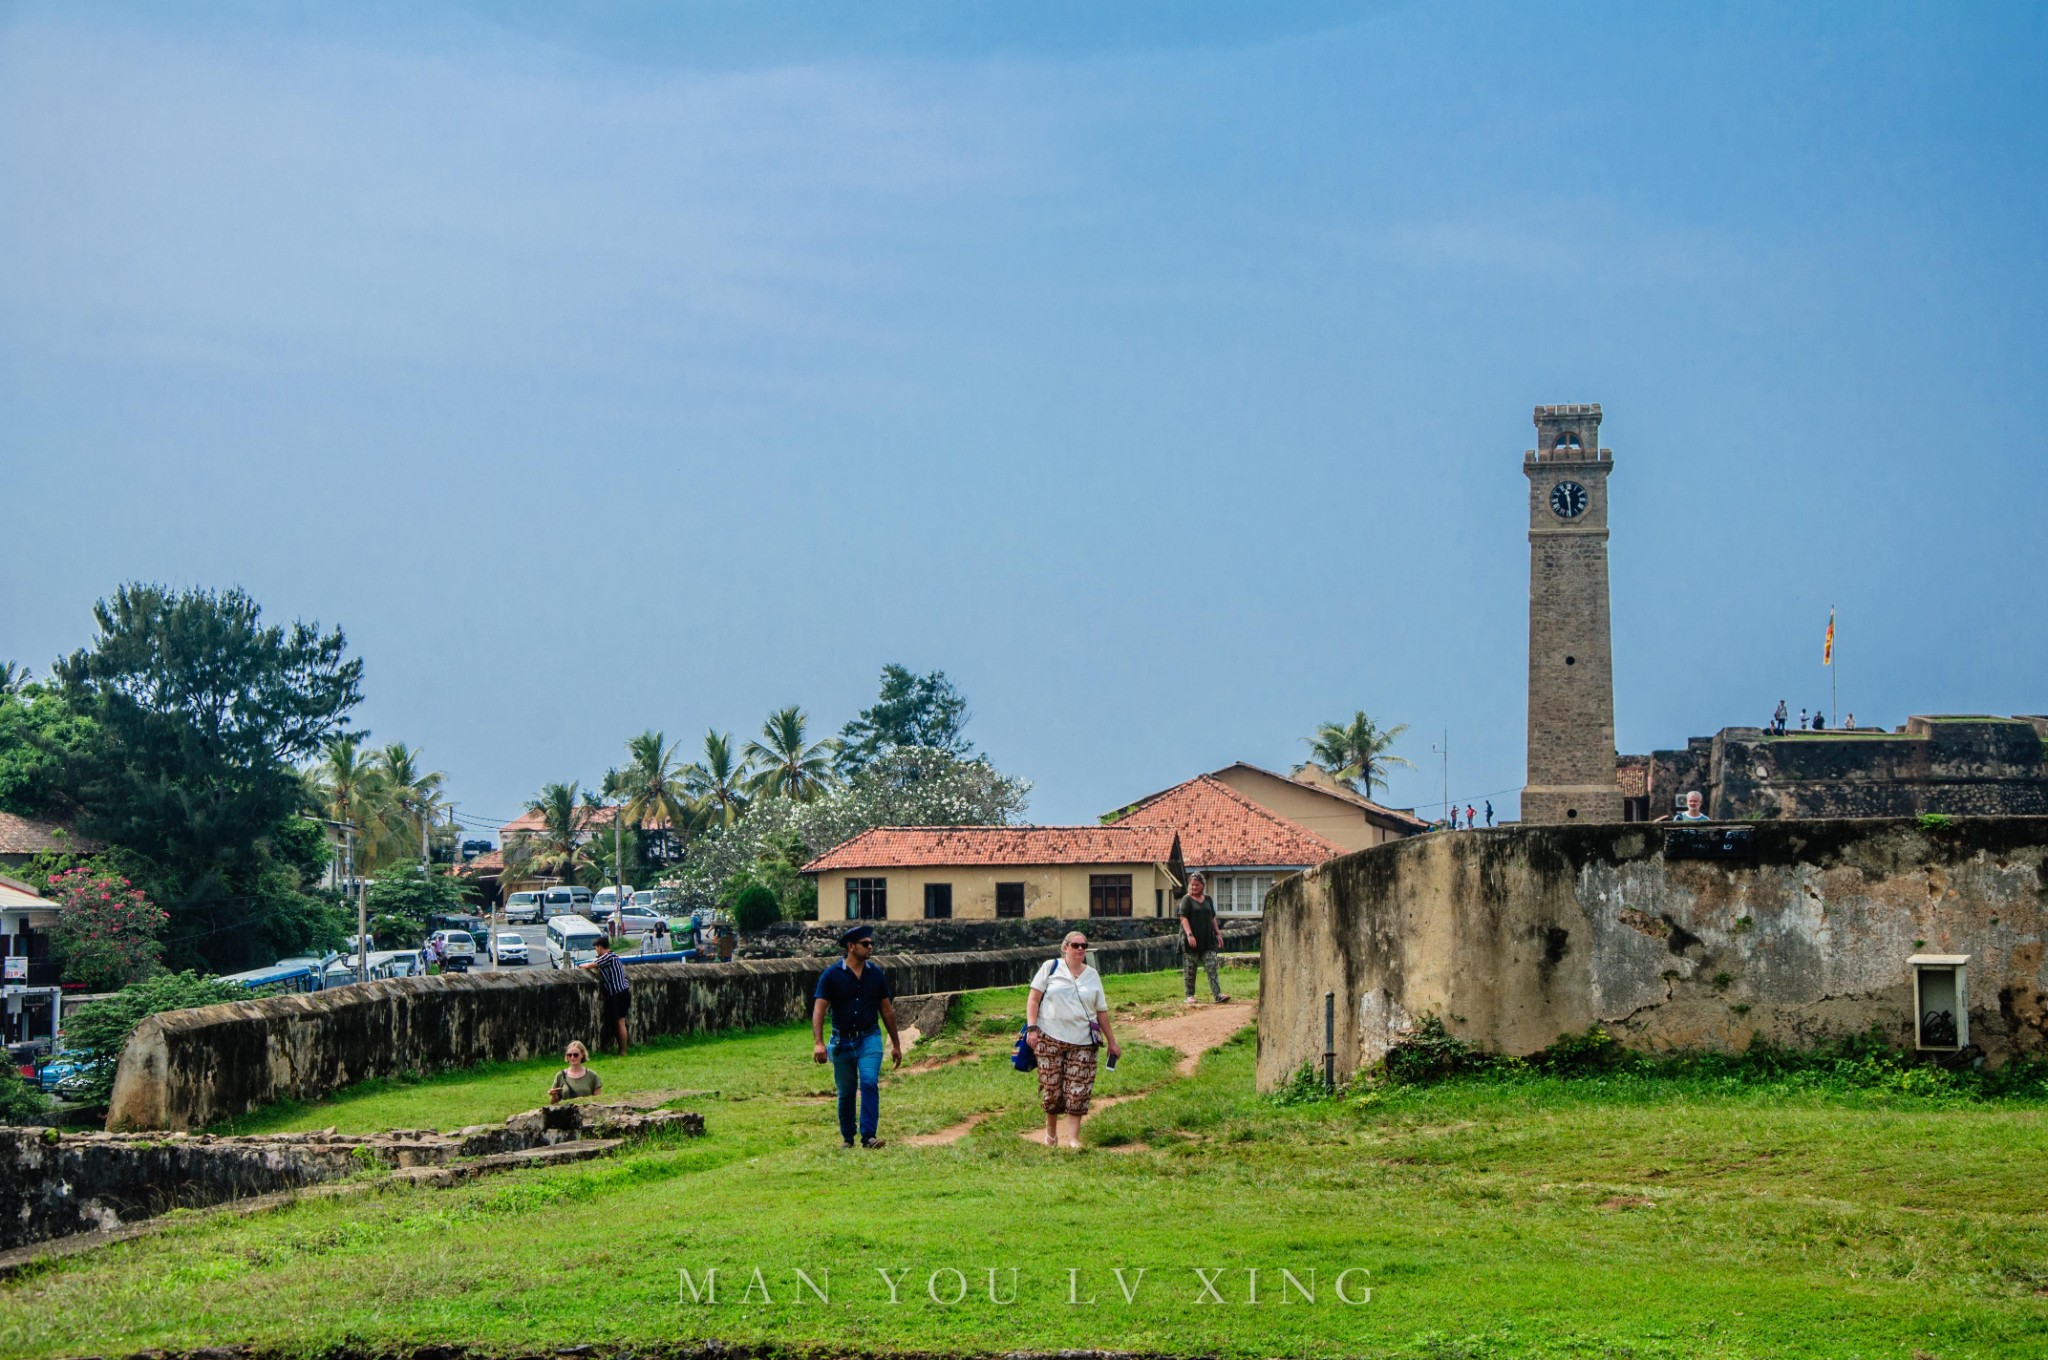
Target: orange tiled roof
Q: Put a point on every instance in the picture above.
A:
(587, 819)
(904, 847)
(489, 862)
(27, 836)
(1220, 827)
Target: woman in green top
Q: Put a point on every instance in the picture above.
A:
(575, 1079)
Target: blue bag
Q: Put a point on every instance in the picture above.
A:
(1024, 1058)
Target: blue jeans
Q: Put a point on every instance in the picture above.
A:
(857, 1064)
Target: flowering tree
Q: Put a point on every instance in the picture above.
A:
(106, 931)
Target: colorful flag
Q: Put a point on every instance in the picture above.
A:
(1827, 648)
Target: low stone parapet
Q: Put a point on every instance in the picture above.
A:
(191, 1069)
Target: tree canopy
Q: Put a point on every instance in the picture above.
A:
(922, 711)
(200, 713)
(1355, 752)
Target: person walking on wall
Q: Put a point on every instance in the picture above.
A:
(1489, 812)
(1200, 938)
(1471, 817)
(575, 1079)
(1778, 719)
(857, 991)
(618, 993)
(1066, 1013)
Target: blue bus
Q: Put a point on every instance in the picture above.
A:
(293, 977)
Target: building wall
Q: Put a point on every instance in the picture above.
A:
(1320, 813)
(1049, 890)
(1517, 936)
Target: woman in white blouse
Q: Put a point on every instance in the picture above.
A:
(1067, 1009)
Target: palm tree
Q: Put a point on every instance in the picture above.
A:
(789, 768)
(352, 789)
(13, 676)
(1355, 753)
(415, 796)
(652, 789)
(556, 849)
(717, 780)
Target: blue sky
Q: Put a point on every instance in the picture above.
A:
(1160, 372)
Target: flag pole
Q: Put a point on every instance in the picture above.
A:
(1834, 674)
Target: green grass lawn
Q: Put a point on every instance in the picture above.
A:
(1593, 1217)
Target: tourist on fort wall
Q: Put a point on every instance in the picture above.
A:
(1489, 812)
(1200, 938)
(1692, 812)
(1067, 1013)
(618, 993)
(1820, 722)
(857, 991)
(1778, 719)
(575, 1080)
(1803, 724)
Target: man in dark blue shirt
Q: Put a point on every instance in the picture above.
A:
(857, 991)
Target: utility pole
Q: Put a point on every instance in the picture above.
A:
(348, 833)
(618, 871)
(424, 869)
(1445, 751)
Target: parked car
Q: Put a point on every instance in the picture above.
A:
(64, 1074)
(458, 948)
(522, 909)
(508, 947)
(637, 920)
(602, 905)
(396, 963)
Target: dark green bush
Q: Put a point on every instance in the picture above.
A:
(1429, 1052)
(100, 1029)
(20, 1102)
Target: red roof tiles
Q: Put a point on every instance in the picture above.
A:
(905, 847)
(1221, 828)
(27, 836)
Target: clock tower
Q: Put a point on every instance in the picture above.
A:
(1571, 666)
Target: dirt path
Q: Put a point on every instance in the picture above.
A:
(952, 1134)
(1196, 1030)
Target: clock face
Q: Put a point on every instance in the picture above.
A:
(1568, 499)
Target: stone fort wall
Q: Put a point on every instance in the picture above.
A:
(1519, 935)
(190, 1069)
(1962, 766)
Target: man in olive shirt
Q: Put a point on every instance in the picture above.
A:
(1200, 938)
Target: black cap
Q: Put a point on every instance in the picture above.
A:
(855, 934)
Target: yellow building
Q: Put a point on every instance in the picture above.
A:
(987, 873)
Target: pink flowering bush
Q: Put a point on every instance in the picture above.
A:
(106, 931)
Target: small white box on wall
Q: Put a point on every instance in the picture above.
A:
(1941, 1010)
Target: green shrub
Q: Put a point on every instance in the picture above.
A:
(100, 1029)
(1594, 1051)
(756, 907)
(1429, 1052)
(1304, 1087)
(1934, 821)
(20, 1103)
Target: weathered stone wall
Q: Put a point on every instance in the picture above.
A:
(190, 1069)
(1966, 766)
(1519, 935)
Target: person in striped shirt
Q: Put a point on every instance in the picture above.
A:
(618, 993)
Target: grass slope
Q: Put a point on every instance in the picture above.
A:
(1531, 1217)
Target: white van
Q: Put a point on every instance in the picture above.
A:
(567, 901)
(607, 900)
(572, 941)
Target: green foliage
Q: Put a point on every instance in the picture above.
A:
(753, 905)
(40, 734)
(100, 1029)
(911, 787)
(1355, 752)
(398, 932)
(918, 711)
(414, 894)
(1429, 1052)
(20, 1102)
(1934, 821)
(199, 715)
(1304, 1087)
(788, 765)
(106, 933)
